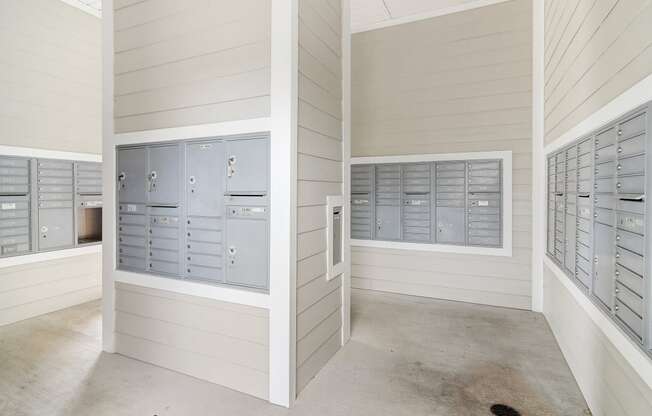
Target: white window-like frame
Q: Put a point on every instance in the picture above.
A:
(334, 207)
(504, 156)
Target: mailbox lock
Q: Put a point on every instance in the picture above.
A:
(617, 238)
(122, 176)
(153, 175)
(44, 229)
(192, 180)
(231, 163)
(232, 251)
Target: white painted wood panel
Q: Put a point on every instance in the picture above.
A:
(224, 343)
(190, 63)
(603, 50)
(463, 85)
(319, 174)
(50, 76)
(34, 289)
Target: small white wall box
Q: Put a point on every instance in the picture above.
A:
(335, 236)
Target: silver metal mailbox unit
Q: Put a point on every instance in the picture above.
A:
(88, 200)
(447, 202)
(212, 225)
(15, 220)
(55, 204)
(609, 172)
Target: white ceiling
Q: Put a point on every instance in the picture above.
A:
(371, 14)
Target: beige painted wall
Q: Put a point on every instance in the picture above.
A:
(182, 63)
(50, 90)
(319, 174)
(50, 76)
(224, 343)
(456, 83)
(594, 51)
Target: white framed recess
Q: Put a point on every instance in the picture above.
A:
(504, 156)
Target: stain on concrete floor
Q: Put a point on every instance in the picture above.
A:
(407, 356)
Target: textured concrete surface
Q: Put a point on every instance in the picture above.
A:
(408, 356)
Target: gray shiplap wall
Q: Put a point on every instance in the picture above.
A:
(319, 302)
(181, 63)
(455, 83)
(224, 343)
(594, 50)
(50, 76)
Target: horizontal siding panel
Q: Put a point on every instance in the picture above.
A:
(311, 268)
(319, 50)
(313, 143)
(255, 383)
(313, 168)
(215, 113)
(311, 317)
(34, 274)
(463, 295)
(314, 291)
(317, 24)
(217, 346)
(315, 95)
(315, 193)
(71, 283)
(317, 360)
(310, 67)
(232, 320)
(318, 336)
(314, 119)
(311, 218)
(311, 243)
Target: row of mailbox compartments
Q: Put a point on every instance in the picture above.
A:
(626, 222)
(627, 148)
(627, 166)
(366, 198)
(13, 162)
(635, 204)
(634, 184)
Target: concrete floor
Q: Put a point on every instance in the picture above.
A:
(407, 356)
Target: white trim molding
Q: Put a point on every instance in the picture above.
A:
(346, 166)
(504, 251)
(227, 128)
(49, 255)
(632, 353)
(202, 290)
(84, 7)
(37, 153)
(426, 15)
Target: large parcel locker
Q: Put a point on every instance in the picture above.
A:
(15, 219)
(388, 202)
(55, 204)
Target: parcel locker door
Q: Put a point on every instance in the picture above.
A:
(247, 250)
(388, 222)
(247, 166)
(132, 175)
(451, 225)
(604, 267)
(55, 228)
(164, 174)
(205, 179)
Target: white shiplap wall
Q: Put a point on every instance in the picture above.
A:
(50, 98)
(595, 50)
(224, 343)
(182, 63)
(319, 174)
(455, 83)
(50, 76)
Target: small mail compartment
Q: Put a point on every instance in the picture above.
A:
(629, 298)
(131, 251)
(583, 264)
(361, 178)
(631, 165)
(631, 321)
(484, 241)
(585, 186)
(630, 241)
(583, 278)
(571, 164)
(450, 166)
(630, 260)
(605, 170)
(633, 126)
(634, 205)
(605, 201)
(211, 274)
(134, 263)
(478, 165)
(133, 240)
(585, 160)
(170, 268)
(607, 185)
(132, 209)
(571, 153)
(215, 261)
(605, 216)
(163, 255)
(630, 279)
(630, 222)
(55, 204)
(55, 181)
(197, 247)
(606, 138)
(584, 225)
(631, 185)
(584, 211)
(585, 174)
(450, 189)
(583, 251)
(164, 243)
(632, 147)
(11, 171)
(605, 154)
(163, 232)
(51, 173)
(584, 237)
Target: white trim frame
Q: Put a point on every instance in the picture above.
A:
(283, 211)
(346, 167)
(85, 8)
(37, 153)
(334, 270)
(426, 15)
(539, 199)
(505, 156)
